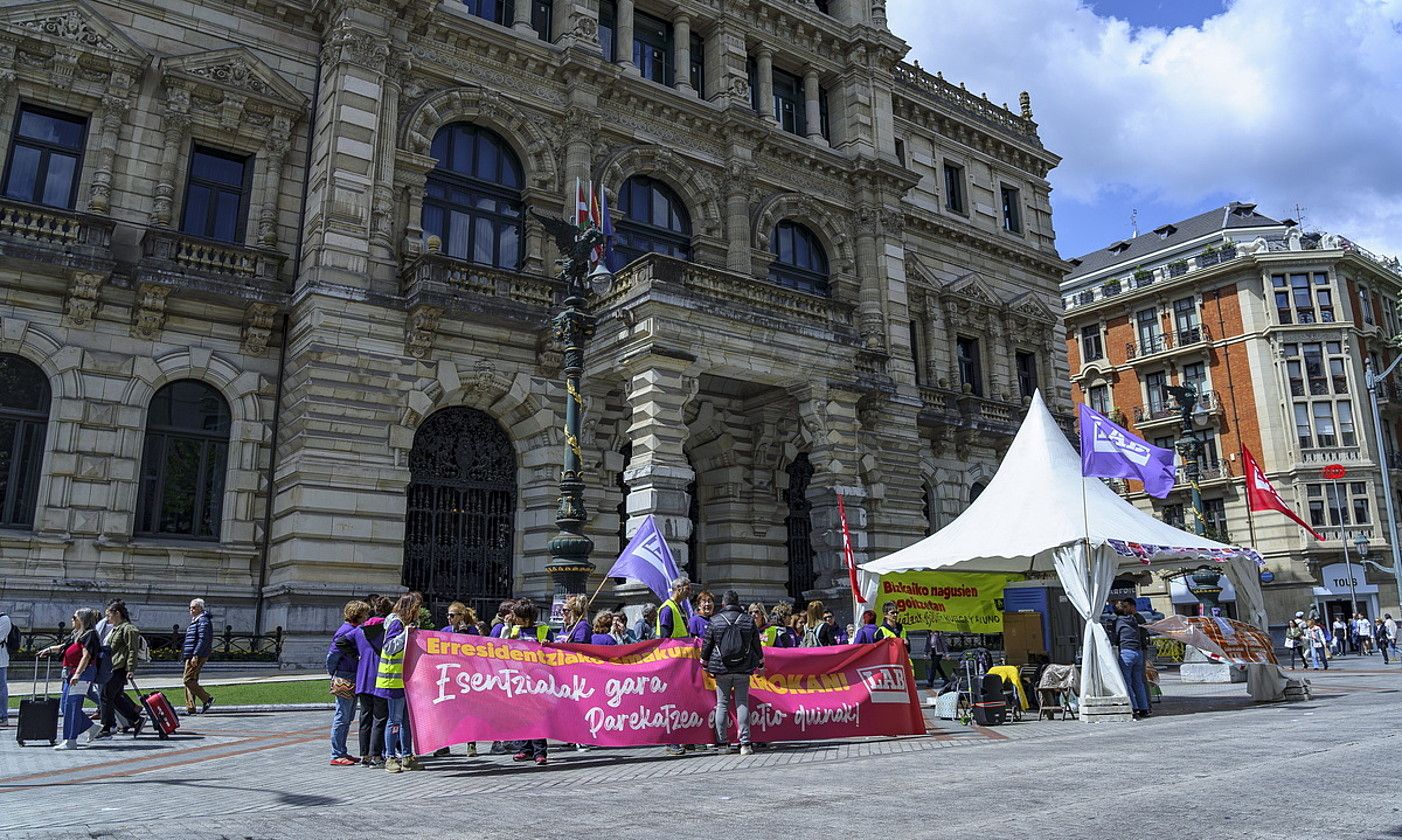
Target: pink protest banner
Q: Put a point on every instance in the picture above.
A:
(473, 688)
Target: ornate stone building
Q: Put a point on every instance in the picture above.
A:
(274, 311)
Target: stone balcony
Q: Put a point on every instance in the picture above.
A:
(55, 236)
(225, 270)
(988, 419)
(457, 287)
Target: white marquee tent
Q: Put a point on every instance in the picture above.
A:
(1039, 514)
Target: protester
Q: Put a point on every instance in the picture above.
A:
(867, 633)
(503, 619)
(621, 634)
(199, 644)
(462, 619)
(1318, 644)
(840, 635)
(399, 749)
(1127, 634)
(891, 627)
(577, 627)
(604, 623)
(705, 608)
(5, 624)
(671, 618)
(124, 641)
(80, 654)
(769, 635)
(1297, 641)
(643, 628)
(524, 617)
(731, 652)
(1380, 634)
(939, 649)
(372, 702)
(342, 665)
(816, 631)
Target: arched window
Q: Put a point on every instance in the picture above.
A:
(472, 200)
(183, 467)
(651, 219)
(799, 260)
(24, 416)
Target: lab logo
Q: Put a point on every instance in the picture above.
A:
(885, 683)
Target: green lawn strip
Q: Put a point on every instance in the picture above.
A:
(246, 694)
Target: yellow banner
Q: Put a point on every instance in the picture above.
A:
(952, 602)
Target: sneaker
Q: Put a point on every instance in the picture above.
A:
(99, 735)
(675, 750)
(70, 744)
(471, 750)
(376, 763)
(541, 761)
(521, 756)
(411, 762)
(207, 704)
(746, 749)
(343, 761)
(138, 726)
(392, 765)
(442, 752)
(733, 749)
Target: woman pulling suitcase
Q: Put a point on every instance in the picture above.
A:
(80, 656)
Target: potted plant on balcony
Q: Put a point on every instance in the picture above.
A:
(1142, 277)
(1177, 268)
(1085, 297)
(1208, 256)
(1110, 287)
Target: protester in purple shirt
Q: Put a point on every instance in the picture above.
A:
(342, 662)
(503, 620)
(576, 621)
(373, 702)
(866, 634)
(603, 624)
(462, 619)
(705, 608)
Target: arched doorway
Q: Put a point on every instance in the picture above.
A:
(460, 525)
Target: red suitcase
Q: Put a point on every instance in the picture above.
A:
(162, 715)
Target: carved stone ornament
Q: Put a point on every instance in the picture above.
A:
(423, 323)
(258, 328)
(149, 313)
(71, 26)
(237, 72)
(740, 88)
(82, 298)
(586, 28)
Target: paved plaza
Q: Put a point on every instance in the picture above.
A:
(1209, 763)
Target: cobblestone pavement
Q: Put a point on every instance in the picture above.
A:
(1208, 754)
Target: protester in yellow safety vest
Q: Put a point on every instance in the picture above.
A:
(671, 619)
(770, 635)
(399, 742)
(524, 615)
(891, 628)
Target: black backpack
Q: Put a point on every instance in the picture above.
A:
(730, 644)
(12, 639)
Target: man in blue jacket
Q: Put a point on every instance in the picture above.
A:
(199, 643)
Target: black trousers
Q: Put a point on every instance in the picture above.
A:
(115, 699)
(936, 667)
(535, 746)
(374, 714)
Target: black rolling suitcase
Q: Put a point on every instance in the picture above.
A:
(38, 716)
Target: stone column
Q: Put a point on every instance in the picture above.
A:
(830, 421)
(737, 215)
(764, 76)
(681, 51)
(659, 389)
(274, 153)
(623, 36)
(175, 126)
(114, 110)
(812, 114)
(521, 19)
(581, 127)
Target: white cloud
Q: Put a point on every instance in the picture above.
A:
(1270, 101)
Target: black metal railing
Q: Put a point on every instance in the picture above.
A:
(229, 646)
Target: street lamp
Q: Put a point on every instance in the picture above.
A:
(569, 565)
(1190, 448)
(1372, 379)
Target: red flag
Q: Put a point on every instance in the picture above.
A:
(581, 205)
(1261, 495)
(848, 556)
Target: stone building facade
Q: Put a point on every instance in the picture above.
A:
(274, 311)
(1273, 326)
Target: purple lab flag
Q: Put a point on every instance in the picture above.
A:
(647, 559)
(1111, 452)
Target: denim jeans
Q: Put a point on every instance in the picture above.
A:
(75, 723)
(4, 695)
(398, 739)
(1132, 667)
(1320, 657)
(739, 684)
(340, 725)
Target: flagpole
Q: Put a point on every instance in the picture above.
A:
(596, 593)
(1250, 520)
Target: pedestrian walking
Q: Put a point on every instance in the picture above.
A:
(939, 649)
(399, 740)
(705, 608)
(9, 636)
(1297, 641)
(816, 631)
(372, 702)
(603, 629)
(1363, 632)
(343, 665)
(1391, 627)
(731, 653)
(1127, 633)
(79, 656)
(1380, 636)
(1340, 628)
(1318, 645)
(124, 643)
(199, 644)
(866, 634)
(524, 616)
(643, 628)
(577, 626)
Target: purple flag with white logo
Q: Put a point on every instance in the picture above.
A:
(1111, 452)
(647, 559)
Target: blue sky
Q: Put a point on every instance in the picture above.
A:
(1170, 107)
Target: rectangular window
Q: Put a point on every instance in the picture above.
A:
(1091, 347)
(216, 194)
(1100, 398)
(1195, 374)
(1365, 305)
(46, 157)
(1315, 496)
(970, 366)
(1316, 373)
(1012, 209)
(1026, 373)
(900, 151)
(608, 29)
(542, 18)
(697, 72)
(915, 352)
(954, 188)
(497, 11)
(788, 102)
(1173, 515)
(1346, 503)
(1150, 334)
(1214, 515)
(652, 48)
(752, 72)
(1154, 385)
(1303, 298)
(1185, 321)
(823, 113)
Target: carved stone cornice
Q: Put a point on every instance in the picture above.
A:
(422, 326)
(258, 328)
(81, 303)
(68, 45)
(233, 88)
(955, 233)
(148, 313)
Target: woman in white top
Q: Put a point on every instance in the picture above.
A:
(1319, 645)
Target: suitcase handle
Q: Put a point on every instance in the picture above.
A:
(48, 674)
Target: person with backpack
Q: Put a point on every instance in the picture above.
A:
(731, 653)
(125, 642)
(816, 631)
(342, 665)
(10, 633)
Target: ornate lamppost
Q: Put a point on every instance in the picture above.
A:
(573, 326)
(1189, 446)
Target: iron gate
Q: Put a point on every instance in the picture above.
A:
(461, 520)
(800, 527)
